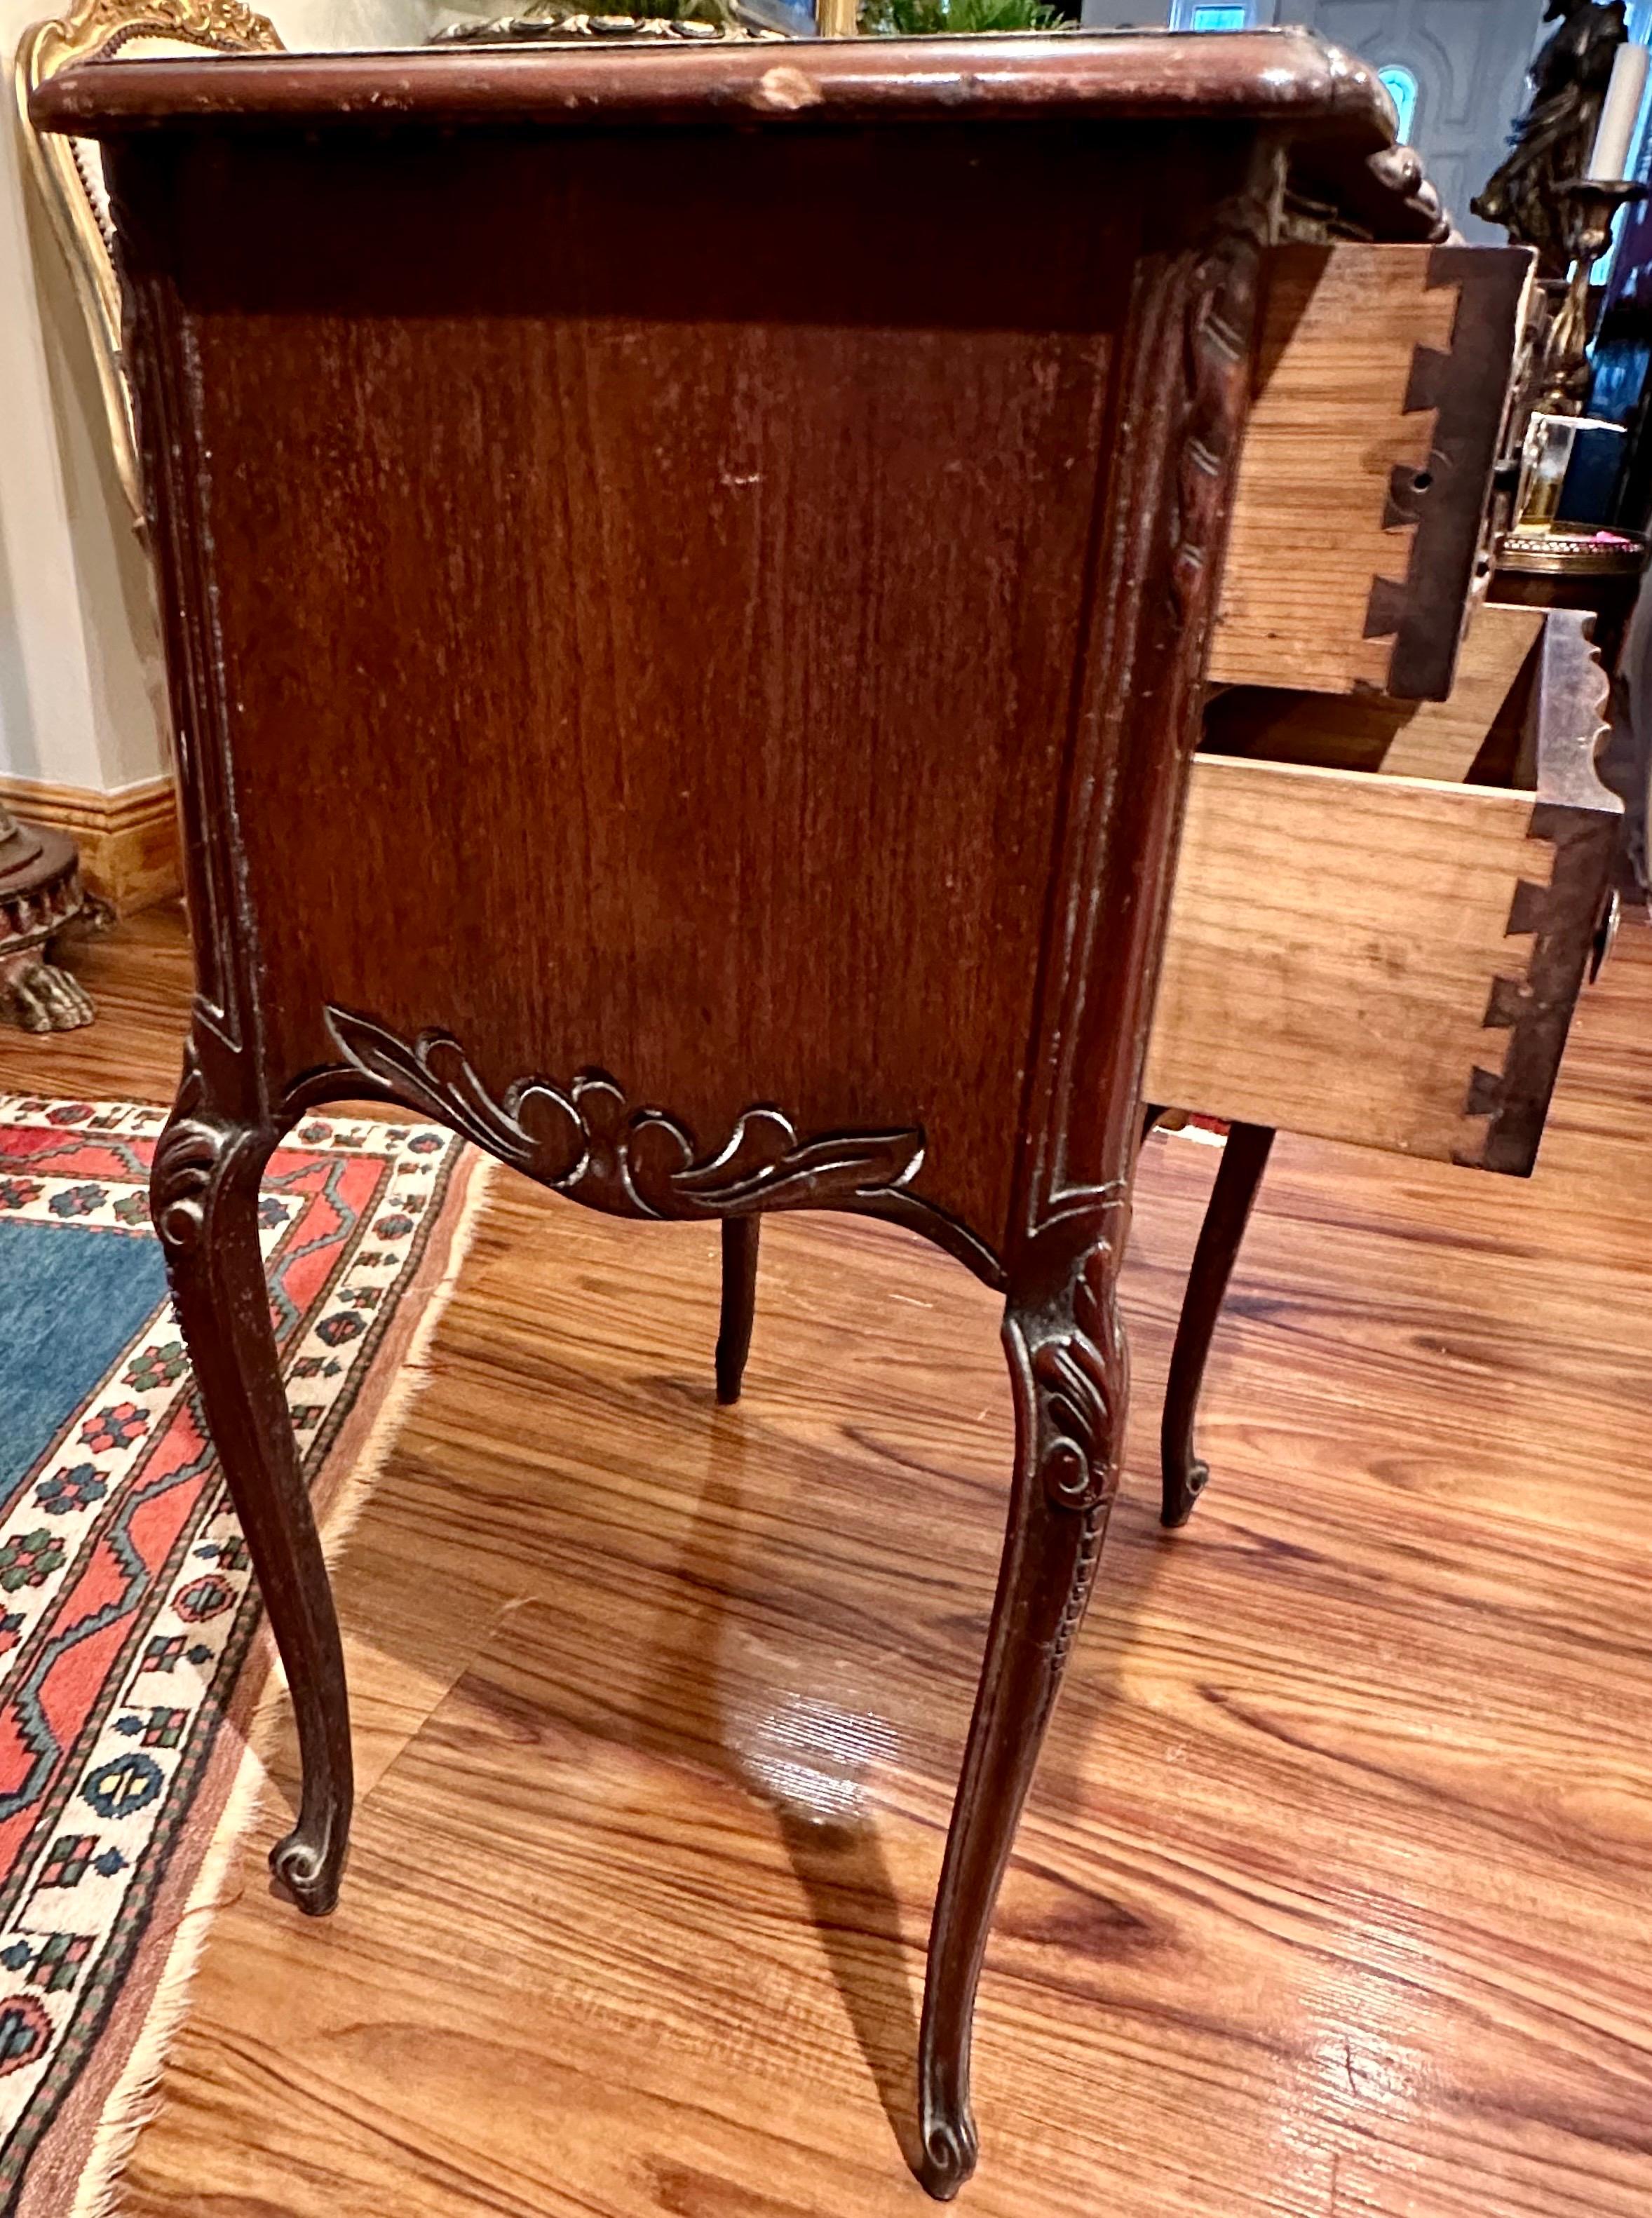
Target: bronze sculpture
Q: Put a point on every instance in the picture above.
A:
(1550, 143)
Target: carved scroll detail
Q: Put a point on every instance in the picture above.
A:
(1066, 1341)
(1071, 1373)
(1220, 319)
(587, 1140)
(186, 1162)
(1184, 388)
(1094, 1532)
(198, 1145)
(88, 31)
(1068, 1357)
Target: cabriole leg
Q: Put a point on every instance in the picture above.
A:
(1244, 1158)
(204, 1193)
(1068, 1363)
(739, 1303)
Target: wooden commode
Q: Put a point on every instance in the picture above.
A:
(690, 579)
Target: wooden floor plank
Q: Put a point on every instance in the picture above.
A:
(1330, 1901)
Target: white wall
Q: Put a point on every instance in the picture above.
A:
(313, 24)
(49, 721)
(81, 689)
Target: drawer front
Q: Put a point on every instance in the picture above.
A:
(1381, 383)
(1391, 960)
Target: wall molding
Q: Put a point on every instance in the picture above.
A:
(128, 840)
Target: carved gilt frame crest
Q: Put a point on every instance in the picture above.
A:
(68, 171)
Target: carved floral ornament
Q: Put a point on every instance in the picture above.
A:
(1074, 1372)
(1217, 368)
(587, 1140)
(200, 22)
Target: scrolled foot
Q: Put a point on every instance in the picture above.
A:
(45, 998)
(949, 2151)
(308, 1873)
(1182, 1488)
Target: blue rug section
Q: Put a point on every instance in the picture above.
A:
(71, 1296)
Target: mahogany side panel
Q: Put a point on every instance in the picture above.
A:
(803, 537)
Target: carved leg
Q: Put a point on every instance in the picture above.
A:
(204, 1193)
(1068, 1363)
(739, 1303)
(1243, 1160)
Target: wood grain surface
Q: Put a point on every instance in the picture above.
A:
(1330, 1898)
(1373, 922)
(836, 558)
(1330, 423)
(1380, 387)
(1444, 740)
(1331, 101)
(1339, 117)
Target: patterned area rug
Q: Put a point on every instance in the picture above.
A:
(128, 1665)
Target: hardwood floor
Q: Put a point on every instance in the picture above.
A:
(1332, 1894)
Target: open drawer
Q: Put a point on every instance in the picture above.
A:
(1380, 384)
(1393, 959)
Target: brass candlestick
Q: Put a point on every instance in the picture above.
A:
(1592, 205)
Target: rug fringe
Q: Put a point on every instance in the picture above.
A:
(135, 2096)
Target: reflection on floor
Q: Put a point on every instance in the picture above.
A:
(1331, 1896)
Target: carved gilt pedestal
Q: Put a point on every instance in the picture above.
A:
(40, 893)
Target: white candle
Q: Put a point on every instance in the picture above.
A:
(1617, 118)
